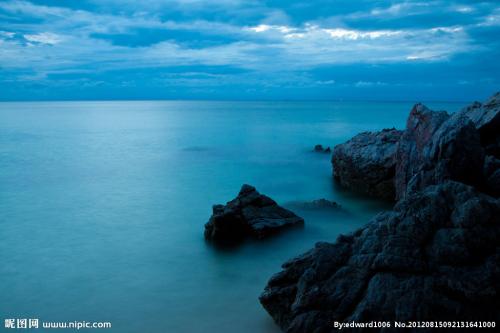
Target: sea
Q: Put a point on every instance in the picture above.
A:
(103, 205)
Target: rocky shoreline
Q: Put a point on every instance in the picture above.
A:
(435, 256)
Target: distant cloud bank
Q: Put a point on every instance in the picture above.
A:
(249, 49)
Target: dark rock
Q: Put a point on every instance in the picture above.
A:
(421, 125)
(491, 164)
(436, 147)
(493, 182)
(366, 163)
(493, 148)
(492, 175)
(486, 118)
(317, 204)
(454, 152)
(320, 149)
(249, 214)
(436, 256)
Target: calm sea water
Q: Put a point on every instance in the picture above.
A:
(102, 205)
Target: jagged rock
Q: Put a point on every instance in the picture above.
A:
(436, 256)
(249, 214)
(436, 147)
(366, 163)
(421, 125)
(317, 204)
(318, 148)
(486, 118)
(321, 149)
(454, 152)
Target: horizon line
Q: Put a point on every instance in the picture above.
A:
(237, 100)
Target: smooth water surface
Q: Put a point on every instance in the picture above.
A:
(102, 205)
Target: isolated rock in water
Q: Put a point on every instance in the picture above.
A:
(454, 152)
(421, 125)
(486, 118)
(249, 214)
(317, 204)
(366, 163)
(436, 256)
(320, 149)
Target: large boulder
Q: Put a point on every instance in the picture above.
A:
(486, 118)
(421, 125)
(436, 256)
(249, 214)
(366, 163)
(436, 147)
(454, 152)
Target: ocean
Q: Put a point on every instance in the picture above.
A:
(103, 205)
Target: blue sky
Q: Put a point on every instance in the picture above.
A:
(249, 49)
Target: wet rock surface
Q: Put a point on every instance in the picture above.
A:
(486, 118)
(421, 125)
(435, 256)
(321, 149)
(454, 152)
(434, 147)
(250, 214)
(366, 163)
(316, 204)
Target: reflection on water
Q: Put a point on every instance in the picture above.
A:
(102, 206)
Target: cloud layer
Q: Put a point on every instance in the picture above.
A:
(257, 49)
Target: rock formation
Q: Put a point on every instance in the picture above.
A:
(435, 256)
(486, 118)
(434, 147)
(453, 152)
(320, 149)
(317, 204)
(421, 125)
(249, 214)
(366, 163)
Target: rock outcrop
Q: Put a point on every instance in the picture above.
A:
(317, 204)
(321, 149)
(486, 118)
(436, 256)
(249, 214)
(421, 125)
(366, 163)
(434, 147)
(453, 152)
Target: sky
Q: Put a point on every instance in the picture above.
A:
(249, 49)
